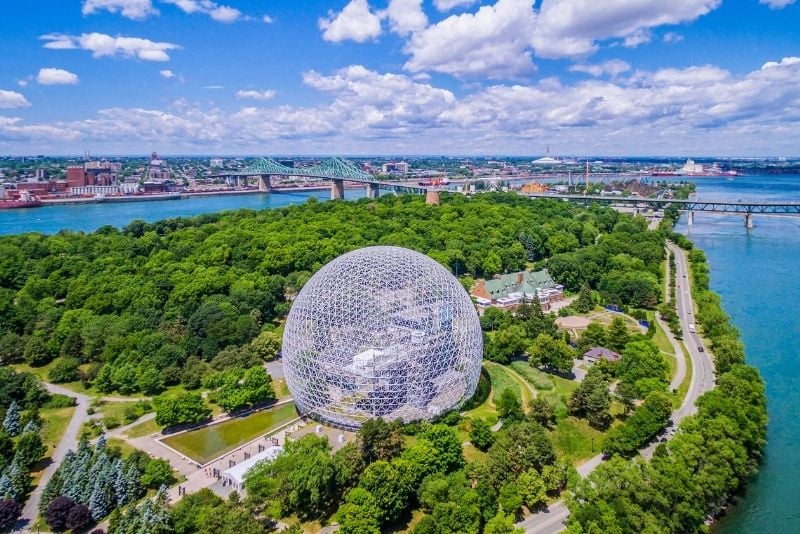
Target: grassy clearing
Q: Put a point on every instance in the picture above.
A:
(143, 429)
(42, 371)
(205, 444)
(539, 379)
(575, 439)
(54, 424)
(281, 389)
(502, 380)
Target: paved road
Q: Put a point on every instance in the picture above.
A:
(69, 441)
(552, 520)
(702, 364)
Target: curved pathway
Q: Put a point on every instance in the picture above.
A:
(553, 519)
(68, 441)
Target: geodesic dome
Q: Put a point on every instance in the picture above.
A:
(381, 332)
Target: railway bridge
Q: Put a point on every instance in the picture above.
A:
(748, 209)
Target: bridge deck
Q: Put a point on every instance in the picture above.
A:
(783, 208)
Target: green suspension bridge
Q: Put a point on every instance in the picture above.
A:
(336, 170)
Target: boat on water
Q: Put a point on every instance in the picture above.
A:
(26, 199)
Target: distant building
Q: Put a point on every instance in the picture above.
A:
(157, 169)
(41, 175)
(595, 354)
(508, 291)
(216, 162)
(399, 167)
(690, 167)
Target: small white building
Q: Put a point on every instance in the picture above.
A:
(234, 476)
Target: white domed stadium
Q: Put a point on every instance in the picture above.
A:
(381, 332)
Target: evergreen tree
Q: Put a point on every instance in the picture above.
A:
(101, 444)
(29, 449)
(100, 501)
(7, 490)
(133, 482)
(584, 303)
(53, 487)
(19, 477)
(11, 423)
(31, 426)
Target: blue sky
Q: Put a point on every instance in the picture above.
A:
(618, 77)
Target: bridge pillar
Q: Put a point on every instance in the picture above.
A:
(337, 189)
(432, 197)
(373, 191)
(691, 218)
(748, 221)
(264, 183)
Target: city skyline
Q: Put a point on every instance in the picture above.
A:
(358, 77)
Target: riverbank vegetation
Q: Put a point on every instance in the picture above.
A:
(692, 476)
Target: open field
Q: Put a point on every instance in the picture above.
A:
(205, 444)
(143, 429)
(575, 439)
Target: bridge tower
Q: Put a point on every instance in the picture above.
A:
(432, 197)
(264, 183)
(373, 190)
(337, 189)
(748, 221)
(690, 222)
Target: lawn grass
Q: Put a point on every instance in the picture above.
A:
(574, 438)
(502, 380)
(683, 389)
(209, 442)
(42, 371)
(54, 424)
(281, 389)
(143, 429)
(539, 379)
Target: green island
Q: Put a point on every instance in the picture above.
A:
(183, 317)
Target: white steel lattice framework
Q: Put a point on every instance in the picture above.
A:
(381, 332)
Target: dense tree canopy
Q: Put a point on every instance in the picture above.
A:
(168, 297)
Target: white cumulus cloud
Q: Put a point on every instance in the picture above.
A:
(268, 94)
(567, 28)
(492, 42)
(405, 16)
(102, 45)
(356, 22)
(777, 4)
(672, 37)
(166, 73)
(447, 5)
(51, 76)
(661, 112)
(614, 67)
(12, 99)
(217, 12)
(132, 9)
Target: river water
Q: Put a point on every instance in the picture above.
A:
(757, 274)
(89, 217)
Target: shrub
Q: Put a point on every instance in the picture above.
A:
(79, 517)
(59, 401)
(9, 512)
(58, 511)
(65, 370)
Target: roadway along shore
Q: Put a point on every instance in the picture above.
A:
(552, 520)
